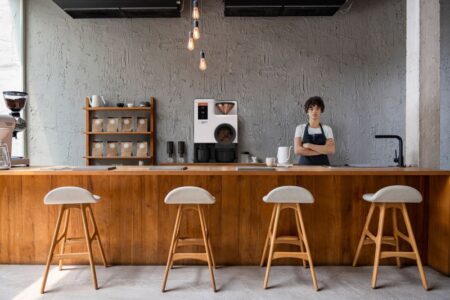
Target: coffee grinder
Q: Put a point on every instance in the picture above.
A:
(12, 124)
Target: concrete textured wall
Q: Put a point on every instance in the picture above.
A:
(271, 66)
(445, 84)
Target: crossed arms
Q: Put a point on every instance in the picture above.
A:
(308, 149)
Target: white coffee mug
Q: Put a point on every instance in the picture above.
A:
(271, 161)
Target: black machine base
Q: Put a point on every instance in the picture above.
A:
(215, 153)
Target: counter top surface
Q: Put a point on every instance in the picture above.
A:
(226, 170)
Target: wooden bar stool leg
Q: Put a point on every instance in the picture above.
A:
(97, 236)
(209, 240)
(266, 244)
(205, 241)
(308, 252)
(64, 236)
(272, 244)
(395, 230)
(52, 247)
(300, 235)
(378, 244)
(364, 232)
(177, 236)
(412, 241)
(172, 244)
(88, 244)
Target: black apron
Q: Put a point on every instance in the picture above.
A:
(316, 139)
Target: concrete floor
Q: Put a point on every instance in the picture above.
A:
(287, 282)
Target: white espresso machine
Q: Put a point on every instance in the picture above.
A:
(12, 124)
(215, 131)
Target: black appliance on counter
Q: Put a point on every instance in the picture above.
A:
(215, 131)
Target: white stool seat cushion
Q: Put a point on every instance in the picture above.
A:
(70, 195)
(289, 194)
(395, 194)
(189, 195)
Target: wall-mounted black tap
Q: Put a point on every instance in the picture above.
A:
(398, 159)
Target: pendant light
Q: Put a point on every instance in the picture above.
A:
(196, 31)
(194, 34)
(195, 11)
(202, 64)
(191, 44)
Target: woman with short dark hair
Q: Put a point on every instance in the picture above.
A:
(314, 141)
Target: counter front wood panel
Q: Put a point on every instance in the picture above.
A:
(136, 225)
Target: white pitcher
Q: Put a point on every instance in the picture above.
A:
(96, 101)
(284, 155)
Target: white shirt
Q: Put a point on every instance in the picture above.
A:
(300, 130)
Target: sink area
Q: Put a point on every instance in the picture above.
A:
(369, 166)
(362, 166)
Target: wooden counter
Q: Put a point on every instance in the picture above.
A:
(136, 225)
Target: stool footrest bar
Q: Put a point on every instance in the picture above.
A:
(298, 255)
(387, 254)
(68, 255)
(195, 256)
(190, 242)
(292, 240)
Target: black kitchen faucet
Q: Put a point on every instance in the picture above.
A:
(398, 159)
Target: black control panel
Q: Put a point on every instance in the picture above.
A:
(202, 111)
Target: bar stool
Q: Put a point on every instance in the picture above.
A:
(71, 197)
(287, 197)
(394, 197)
(190, 198)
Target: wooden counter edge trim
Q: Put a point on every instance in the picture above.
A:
(227, 173)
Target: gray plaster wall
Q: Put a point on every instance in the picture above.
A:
(445, 84)
(355, 61)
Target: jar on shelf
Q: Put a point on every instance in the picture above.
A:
(126, 149)
(112, 150)
(112, 125)
(141, 149)
(126, 125)
(142, 124)
(97, 125)
(97, 149)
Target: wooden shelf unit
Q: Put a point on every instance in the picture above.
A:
(112, 108)
(148, 136)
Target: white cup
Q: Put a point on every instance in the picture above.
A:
(271, 161)
(130, 104)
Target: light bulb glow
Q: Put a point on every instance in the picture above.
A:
(191, 44)
(202, 64)
(196, 31)
(195, 13)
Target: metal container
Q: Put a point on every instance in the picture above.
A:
(225, 107)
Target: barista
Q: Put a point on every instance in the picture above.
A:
(314, 141)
